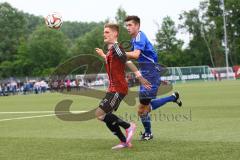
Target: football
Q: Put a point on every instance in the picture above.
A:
(54, 20)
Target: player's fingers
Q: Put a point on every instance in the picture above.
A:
(97, 49)
(148, 87)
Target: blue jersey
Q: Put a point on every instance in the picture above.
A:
(148, 53)
(148, 64)
(148, 59)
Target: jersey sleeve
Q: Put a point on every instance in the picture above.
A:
(120, 53)
(140, 42)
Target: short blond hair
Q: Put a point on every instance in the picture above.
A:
(112, 26)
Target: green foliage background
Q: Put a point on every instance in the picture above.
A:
(29, 48)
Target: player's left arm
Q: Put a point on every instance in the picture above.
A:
(123, 57)
(126, 55)
(138, 75)
(120, 53)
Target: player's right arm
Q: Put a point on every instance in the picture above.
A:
(133, 54)
(101, 53)
(138, 46)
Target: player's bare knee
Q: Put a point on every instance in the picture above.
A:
(140, 112)
(143, 110)
(100, 114)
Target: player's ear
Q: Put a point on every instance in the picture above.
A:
(138, 25)
(116, 33)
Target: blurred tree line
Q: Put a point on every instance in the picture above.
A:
(29, 48)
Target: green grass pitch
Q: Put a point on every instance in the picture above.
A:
(206, 127)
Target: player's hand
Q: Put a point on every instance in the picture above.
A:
(101, 53)
(144, 82)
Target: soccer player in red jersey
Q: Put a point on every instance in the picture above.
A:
(115, 64)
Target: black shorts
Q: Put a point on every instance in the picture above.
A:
(145, 101)
(111, 101)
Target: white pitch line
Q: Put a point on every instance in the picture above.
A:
(30, 112)
(39, 116)
(20, 118)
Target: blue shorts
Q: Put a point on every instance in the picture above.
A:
(152, 93)
(152, 72)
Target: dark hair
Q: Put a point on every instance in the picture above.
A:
(112, 26)
(135, 19)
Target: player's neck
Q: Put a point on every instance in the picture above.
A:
(111, 44)
(135, 34)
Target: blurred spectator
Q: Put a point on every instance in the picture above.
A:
(68, 84)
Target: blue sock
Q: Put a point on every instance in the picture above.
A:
(146, 121)
(156, 103)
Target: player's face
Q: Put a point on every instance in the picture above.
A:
(109, 35)
(132, 28)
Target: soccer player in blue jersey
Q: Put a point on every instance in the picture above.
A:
(144, 52)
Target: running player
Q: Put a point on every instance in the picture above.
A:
(144, 52)
(115, 60)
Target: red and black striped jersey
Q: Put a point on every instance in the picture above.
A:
(115, 68)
